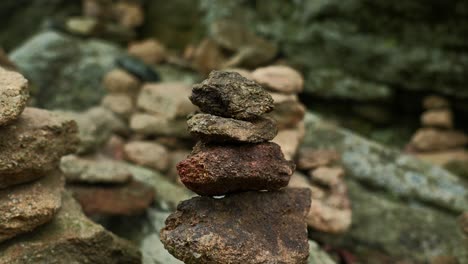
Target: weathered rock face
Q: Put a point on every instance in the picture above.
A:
(33, 145)
(148, 154)
(25, 207)
(166, 99)
(78, 66)
(69, 238)
(272, 230)
(281, 79)
(369, 42)
(228, 94)
(220, 129)
(82, 170)
(410, 204)
(95, 126)
(220, 169)
(132, 198)
(14, 95)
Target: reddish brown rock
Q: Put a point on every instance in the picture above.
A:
(25, 207)
(150, 51)
(14, 94)
(120, 81)
(33, 145)
(437, 118)
(228, 94)
(429, 139)
(219, 169)
(251, 227)
(279, 78)
(310, 158)
(221, 129)
(132, 198)
(69, 238)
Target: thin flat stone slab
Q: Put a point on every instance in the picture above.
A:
(33, 145)
(27, 206)
(132, 198)
(69, 238)
(221, 129)
(220, 169)
(431, 139)
(83, 170)
(14, 94)
(250, 227)
(228, 94)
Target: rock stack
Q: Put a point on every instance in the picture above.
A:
(32, 198)
(256, 221)
(438, 141)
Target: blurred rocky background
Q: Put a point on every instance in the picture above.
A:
(371, 97)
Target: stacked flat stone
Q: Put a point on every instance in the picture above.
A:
(235, 159)
(32, 141)
(438, 141)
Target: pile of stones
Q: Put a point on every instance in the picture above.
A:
(108, 19)
(438, 141)
(243, 213)
(39, 221)
(323, 174)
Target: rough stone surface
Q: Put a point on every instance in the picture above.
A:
(380, 167)
(95, 127)
(290, 140)
(166, 99)
(437, 118)
(120, 81)
(14, 95)
(78, 67)
(69, 238)
(279, 78)
(428, 139)
(150, 51)
(158, 125)
(25, 207)
(288, 114)
(330, 209)
(83, 170)
(120, 104)
(228, 94)
(33, 145)
(148, 154)
(220, 129)
(310, 158)
(220, 169)
(249, 227)
(132, 198)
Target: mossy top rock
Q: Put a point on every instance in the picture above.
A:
(228, 94)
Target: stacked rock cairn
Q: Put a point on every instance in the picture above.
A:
(39, 221)
(438, 141)
(243, 214)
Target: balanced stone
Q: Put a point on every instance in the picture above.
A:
(33, 145)
(251, 227)
(220, 169)
(228, 94)
(14, 95)
(280, 78)
(25, 207)
(429, 139)
(69, 238)
(220, 129)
